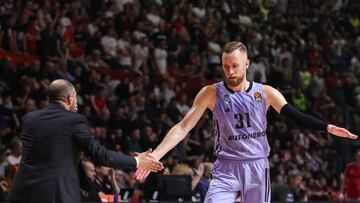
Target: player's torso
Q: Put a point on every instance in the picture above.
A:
(240, 123)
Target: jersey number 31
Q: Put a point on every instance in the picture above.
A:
(240, 120)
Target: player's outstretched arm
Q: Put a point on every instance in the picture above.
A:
(275, 99)
(177, 133)
(206, 98)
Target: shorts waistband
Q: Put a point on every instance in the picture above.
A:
(220, 158)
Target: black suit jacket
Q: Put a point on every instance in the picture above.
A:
(49, 169)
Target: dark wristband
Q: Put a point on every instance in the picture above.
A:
(304, 120)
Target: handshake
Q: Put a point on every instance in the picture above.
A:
(146, 162)
(150, 164)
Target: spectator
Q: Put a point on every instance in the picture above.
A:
(4, 164)
(351, 182)
(355, 64)
(291, 190)
(214, 53)
(173, 111)
(204, 182)
(299, 100)
(154, 18)
(125, 52)
(133, 141)
(109, 47)
(98, 100)
(141, 54)
(29, 106)
(49, 42)
(149, 137)
(105, 180)
(15, 155)
(184, 169)
(90, 194)
(95, 60)
(160, 55)
(117, 139)
(33, 36)
(257, 67)
(8, 34)
(182, 105)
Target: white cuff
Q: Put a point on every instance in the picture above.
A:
(137, 161)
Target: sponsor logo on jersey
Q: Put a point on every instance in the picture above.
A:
(247, 136)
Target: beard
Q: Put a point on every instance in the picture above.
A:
(234, 82)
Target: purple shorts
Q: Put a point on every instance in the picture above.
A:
(230, 178)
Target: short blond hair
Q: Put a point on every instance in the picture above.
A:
(232, 46)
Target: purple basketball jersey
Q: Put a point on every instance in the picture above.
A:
(240, 123)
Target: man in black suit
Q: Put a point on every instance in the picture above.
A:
(53, 139)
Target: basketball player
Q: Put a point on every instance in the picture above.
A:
(239, 112)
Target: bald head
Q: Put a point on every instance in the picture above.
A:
(63, 92)
(59, 90)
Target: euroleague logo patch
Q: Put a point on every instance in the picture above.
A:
(258, 97)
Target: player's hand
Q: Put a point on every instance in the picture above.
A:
(148, 163)
(340, 132)
(141, 174)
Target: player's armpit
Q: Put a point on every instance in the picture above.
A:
(274, 98)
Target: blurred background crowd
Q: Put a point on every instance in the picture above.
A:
(137, 65)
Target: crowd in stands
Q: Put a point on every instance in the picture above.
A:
(137, 65)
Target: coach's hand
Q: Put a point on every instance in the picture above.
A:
(148, 163)
(340, 132)
(141, 174)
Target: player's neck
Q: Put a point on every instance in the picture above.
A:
(242, 87)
